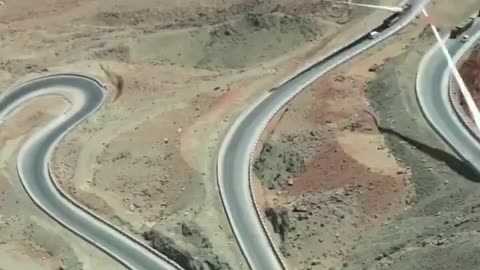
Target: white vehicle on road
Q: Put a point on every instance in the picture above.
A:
(373, 34)
(465, 38)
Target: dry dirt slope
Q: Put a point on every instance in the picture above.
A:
(337, 192)
(327, 175)
(440, 229)
(136, 162)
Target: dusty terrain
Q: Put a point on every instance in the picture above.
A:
(470, 72)
(344, 192)
(440, 229)
(177, 72)
(324, 165)
(29, 239)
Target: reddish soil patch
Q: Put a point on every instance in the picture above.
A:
(332, 168)
(341, 102)
(470, 72)
(343, 192)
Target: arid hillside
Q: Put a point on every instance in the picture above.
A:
(470, 71)
(177, 74)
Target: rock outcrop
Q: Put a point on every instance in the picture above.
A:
(192, 252)
(280, 221)
(276, 166)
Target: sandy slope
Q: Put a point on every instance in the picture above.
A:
(179, 73)
(332, 182)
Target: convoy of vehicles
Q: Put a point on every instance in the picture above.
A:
(388, 22)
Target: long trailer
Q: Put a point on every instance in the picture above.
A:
(459, 29)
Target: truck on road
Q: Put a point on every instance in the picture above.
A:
(460, 29)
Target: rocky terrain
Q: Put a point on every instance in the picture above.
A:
(438, 232)
(183, 94)
(223, 46)
(194, 252)
(351, 183)
(177, 74)
(327, 173)
(470, 71)
(30, 240)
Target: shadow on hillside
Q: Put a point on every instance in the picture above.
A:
(454, 163)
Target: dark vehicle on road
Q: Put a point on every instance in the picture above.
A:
(391, 20)
(460, 29)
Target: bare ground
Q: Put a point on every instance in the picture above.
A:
(470, 71)
(327, 165)
(439, 230)
(29, 238)
(146, 161)
(179, 72)
(333, 189)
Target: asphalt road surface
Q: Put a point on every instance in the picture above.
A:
(32, 166)
(234, 159)
(233, 163)
(432, 88)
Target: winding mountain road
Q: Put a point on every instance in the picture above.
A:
(33, 170)
(235, 155)
(234, 160)
(432, 88)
